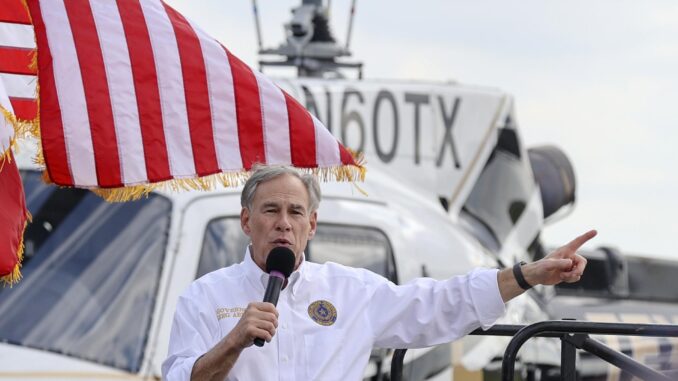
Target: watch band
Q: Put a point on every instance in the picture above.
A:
(518, 274)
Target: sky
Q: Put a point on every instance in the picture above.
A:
(598, 79)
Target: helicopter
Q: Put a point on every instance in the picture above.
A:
(450, 187)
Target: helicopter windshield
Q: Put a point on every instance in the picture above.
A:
(91, 273)
(500, 195)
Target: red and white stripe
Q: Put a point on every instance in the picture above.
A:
(16, 47)
(131, 92)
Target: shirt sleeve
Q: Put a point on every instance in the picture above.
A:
(191, 337)
(426, 312)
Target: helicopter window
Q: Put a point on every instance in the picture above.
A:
(480, 230)
(499, 197)
(224, 244)
(90, 275)
(508, 141)
(353, 246)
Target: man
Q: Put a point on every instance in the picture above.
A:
(329, 316)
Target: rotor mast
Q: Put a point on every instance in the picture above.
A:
(309, 44)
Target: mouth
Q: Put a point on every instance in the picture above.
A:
(282, 242)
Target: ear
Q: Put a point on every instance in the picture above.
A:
(314, 224)
(245, 221)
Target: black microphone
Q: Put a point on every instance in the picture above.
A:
(279, 266)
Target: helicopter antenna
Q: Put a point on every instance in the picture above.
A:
(350, 24)
(255, 9)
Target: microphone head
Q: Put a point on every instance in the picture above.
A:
(281, 259)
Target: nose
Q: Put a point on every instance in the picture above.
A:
(283, 223)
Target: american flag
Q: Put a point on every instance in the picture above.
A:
(17, 46)
(132, 93)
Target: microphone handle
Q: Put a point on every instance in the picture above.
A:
(272, 293)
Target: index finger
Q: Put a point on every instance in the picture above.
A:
(576, 243)
(265, 307)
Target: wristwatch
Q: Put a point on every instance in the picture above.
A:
(518, 274)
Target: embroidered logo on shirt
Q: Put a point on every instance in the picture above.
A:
(322, 312)
(233, 312)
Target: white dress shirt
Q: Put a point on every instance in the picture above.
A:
(356, 311)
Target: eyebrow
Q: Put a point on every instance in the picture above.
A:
(270, 204)
(297, 207)
(273, 204)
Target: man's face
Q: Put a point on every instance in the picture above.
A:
(279, 217)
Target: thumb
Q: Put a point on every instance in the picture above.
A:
(562, 264)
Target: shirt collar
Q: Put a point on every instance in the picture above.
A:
(295, 278)
(260, 278)
(252, 271)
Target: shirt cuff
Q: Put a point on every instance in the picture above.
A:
(179, 368)
(484, 290)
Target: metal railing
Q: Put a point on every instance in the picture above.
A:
(573, 336)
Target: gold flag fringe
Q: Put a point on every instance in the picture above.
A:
(135, 192)
(22, 128)
(30, 16)
(227, 179)
(5, 156)
(34, 59)
(15, 276)
(351, 173)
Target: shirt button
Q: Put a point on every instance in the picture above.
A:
(284, 359)
(284, 326)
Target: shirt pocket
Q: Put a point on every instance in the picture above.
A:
(325, 354)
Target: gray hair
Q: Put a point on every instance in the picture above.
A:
(263, 173)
